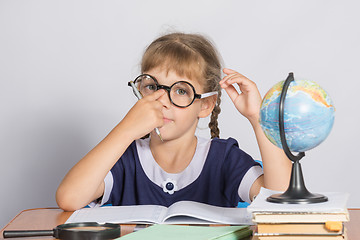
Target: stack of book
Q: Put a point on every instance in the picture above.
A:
(320, 221)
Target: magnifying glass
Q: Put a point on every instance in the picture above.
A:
(72, 231)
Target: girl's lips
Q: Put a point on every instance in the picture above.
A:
(166, 120)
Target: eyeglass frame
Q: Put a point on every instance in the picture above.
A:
(168, 89)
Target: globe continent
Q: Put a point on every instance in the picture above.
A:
(308, 115)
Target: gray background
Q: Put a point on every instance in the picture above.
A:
(64, 67)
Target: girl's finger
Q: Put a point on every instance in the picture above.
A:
(228, 71)
(156, 95)
(226, 78)
(241, 81)
(232, 92)
(231, 74)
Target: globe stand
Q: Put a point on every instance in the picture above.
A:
(296, 193)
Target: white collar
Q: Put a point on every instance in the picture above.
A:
(160, 177)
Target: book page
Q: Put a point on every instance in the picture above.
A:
(184, 212)
(120, 214)
(198, 213)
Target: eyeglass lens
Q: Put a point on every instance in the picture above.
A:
(181, 93)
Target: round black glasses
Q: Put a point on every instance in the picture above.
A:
(182, 94)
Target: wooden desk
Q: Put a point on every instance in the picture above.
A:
(48, 218)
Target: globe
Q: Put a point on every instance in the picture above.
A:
(308, 115)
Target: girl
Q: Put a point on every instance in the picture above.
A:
(180, 83)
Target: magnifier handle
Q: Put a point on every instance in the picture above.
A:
(27, 233)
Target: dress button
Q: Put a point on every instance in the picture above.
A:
(169, 186)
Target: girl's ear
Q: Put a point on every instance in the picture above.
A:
(207, 105)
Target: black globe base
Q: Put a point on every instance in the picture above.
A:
(297, 192)
(303, 199)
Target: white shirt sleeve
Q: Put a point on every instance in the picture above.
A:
(109, 182)
(249, 178)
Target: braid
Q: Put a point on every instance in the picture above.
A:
(213, 124)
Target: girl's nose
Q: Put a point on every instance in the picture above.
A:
(165, 100)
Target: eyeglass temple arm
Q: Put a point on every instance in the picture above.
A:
(135, 90)
(205, 95)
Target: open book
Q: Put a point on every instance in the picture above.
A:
(183, 212)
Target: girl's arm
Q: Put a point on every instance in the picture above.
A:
(85, 181)
(277, 167)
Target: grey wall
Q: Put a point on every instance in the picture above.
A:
(64, 67)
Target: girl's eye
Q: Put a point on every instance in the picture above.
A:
(181, 91)
(151, 87)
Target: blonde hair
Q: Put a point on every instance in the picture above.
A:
(192, 56)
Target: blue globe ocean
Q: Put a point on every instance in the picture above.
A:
(308, 115)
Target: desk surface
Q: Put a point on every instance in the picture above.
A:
(48, 218)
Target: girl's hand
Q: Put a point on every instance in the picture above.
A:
(145, 115)
(249, 100)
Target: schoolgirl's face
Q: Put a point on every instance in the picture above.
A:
(178, 121)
